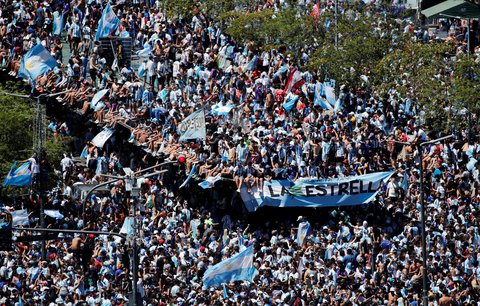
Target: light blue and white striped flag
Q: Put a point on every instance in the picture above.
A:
(36, 62)
(236, 268)
(209, 182)
(252, 65)
(338, 105)
(145, 51)
(20, 217)
(54, 213)
(108, 23)
(318, 98)
(281, 70)
(330, 94)
(225, 293)
(96, 103)
(222, 110)
(127, 227)
(141, 70)
(20, 177)
(57, 23)
(302, 232)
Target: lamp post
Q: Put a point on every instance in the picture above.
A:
(422, 216)
(422, 212)
(133, 238)
(131, 178)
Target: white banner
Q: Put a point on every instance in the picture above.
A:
(193, 127)
(102, 137)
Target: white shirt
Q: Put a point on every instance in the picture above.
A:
(392, 189)
(150, 68)
(66, 162)
(34, 165)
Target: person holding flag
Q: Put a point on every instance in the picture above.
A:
(35, 63)
(57, 23)
(304, 229)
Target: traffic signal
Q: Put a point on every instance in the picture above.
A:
(181, 158)
(5, 231)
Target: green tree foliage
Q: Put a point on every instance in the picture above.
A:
(249, 27)
(16, 118)
(361, 45)
(16, 134)
(179, 8)
(218, 9)
(268, 29)
(466, 81)
(422, 72)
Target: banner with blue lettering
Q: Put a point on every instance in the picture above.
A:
(348, 191)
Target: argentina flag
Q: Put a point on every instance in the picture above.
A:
(303, 231)
(20, 177)
(330, 93)
(97, 103)
(53, 213)
(147, 49)
(127, 227)
(36, 62)
(20, 217)
(318, 98)
(222, 110)
(57, 23)
(252, 65)
(236, 268)
(108, 23)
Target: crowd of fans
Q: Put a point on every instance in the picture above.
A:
(364, 255)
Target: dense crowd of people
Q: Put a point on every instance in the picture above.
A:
(362, 255)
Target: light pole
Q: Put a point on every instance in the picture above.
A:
(117, 178)
(422, 216)
(422, 212)
(130, 181)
